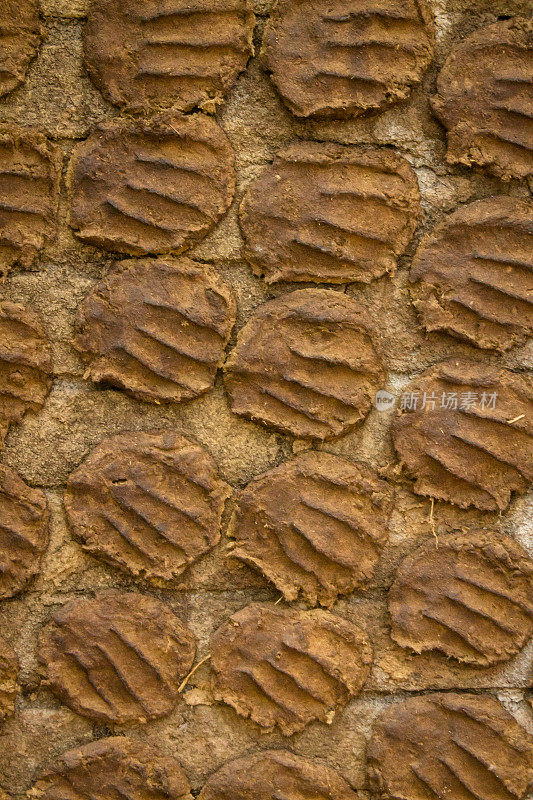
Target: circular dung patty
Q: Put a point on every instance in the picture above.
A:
(471, 597)
(147, 503)
(450, 746)
(113, 767)
(271, 774)
(20, 36)
(9, 671)
(472, 276)
(484, 99)
(305, 363)
(23, 532)
(285, 667)
(153, 186)
(330, 213)
(25, 364)
(180, 54)
(343, 58)
(118, 657)
(315, 526)
(468, 440)
(29, 190)
(157, 328)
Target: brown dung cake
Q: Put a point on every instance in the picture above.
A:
(179, 54)
(485, 99)
(118, 657)
(449, 745)
(285, 667)
(151, 186)
(314, 526)
(157, 329)
(23, 532)
(25, 364)
(472, 276)
(109, 768)
(472, 442)
(330, 213)
(341, 59)
(30, 167)
(305, 364)
(276, 773)
(469, 595)
(147, 503)
(20, 35)
(9, 671)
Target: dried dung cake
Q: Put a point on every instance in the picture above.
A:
(342, 59)
(330, 213)
(118, 657)
(285, 667)
(313, 526)
(305, 363)
(154, 186)
(157, 328)
(472, 276)
(181, 54)
(148, 503)
(20, 36)
(9, 686)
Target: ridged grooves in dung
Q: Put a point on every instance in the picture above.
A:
(314, 526)
(118, 656)
(346, 58)
(272, 774)
(330, 213)
(25, 364)
(23, 532)
(148, 503)
(450, 746)
(477, 453)
(472, 276)
(157, 328)
(29, 187)
(471, 598)
(180, 54)
(113, 767)
(305, 363)
(151, 187)
(285, 667)
(485, 99)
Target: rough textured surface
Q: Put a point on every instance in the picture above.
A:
(449, 746)
(469, 595)
(25, 364)
(113, 767)
(472, 276)
(118, 657)
(284, 667)
(329, 213)
(59, 99)
(9, 687)
(274, 773)
(472, 454)
(149, 504)
(155, 186)
(23, 532)
(20, 34)
(343, 59)
(29, 185)
(484, 99)
(314, 526)
(177, 54)
(305, 363)
(157, 328)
